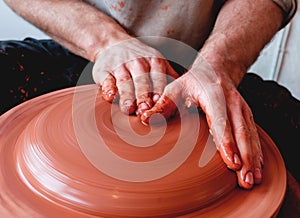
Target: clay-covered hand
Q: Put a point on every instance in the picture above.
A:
(133, 74)
(229, 118)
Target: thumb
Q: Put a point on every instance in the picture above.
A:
(167, 105)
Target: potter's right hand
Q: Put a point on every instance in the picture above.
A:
(229, 118)
(133, 74)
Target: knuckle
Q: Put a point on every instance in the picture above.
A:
(243, 131)
(247, 161)
(157, 61)
(138, 63)
(142, 79)
(227, 143)
(123, 78)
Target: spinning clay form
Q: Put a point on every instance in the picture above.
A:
(71, 154)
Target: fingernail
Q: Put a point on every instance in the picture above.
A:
(110, 93)
(257, 173)
(155, 97)
(145, 119)
(142, 107)
(127, 103)
(236, 159)
(128, 107)
(249, 178)
(188, 103)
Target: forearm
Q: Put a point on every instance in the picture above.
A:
(73, 23)
(241, 31)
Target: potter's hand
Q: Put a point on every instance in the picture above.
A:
(229, 118)
(133, 74)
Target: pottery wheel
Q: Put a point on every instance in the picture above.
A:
(71, 154)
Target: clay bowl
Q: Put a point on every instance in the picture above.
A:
(71, 154)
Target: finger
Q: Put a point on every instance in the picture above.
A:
(109, 89)
(158, 77)
(139, 69)
(167, 105)
(125, 89)
(171, 72)
(164, 106)
(242, 136)
(226, 145)
(256, 147)
(252, 161)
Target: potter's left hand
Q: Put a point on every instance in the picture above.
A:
(229, 118)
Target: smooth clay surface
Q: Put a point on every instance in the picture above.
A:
(71, 154)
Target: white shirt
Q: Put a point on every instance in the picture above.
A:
(189, 21)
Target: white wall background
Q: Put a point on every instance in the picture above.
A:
(14, 27)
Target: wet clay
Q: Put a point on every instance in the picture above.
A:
(71, 154)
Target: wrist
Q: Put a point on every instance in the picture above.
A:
(225, 60)
(96, 43)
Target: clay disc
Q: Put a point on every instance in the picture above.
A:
(71, 154)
